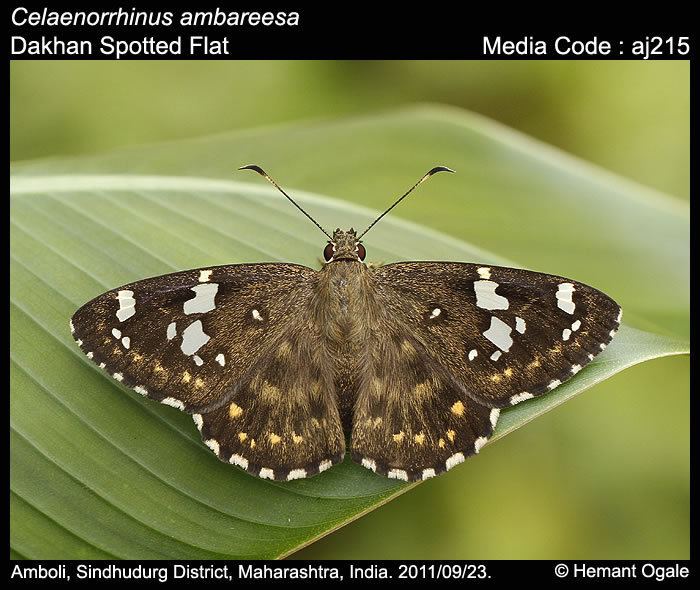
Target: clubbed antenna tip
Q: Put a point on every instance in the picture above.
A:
(261, 172)
(425, 177)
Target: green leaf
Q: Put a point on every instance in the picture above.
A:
(100, 472)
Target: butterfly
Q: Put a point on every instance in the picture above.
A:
(413, 361)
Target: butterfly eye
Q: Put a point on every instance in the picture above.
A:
(361, 252)
(328, 251)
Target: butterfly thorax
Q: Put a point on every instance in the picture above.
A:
(343, 308)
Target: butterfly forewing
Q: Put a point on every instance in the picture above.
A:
(506, 334)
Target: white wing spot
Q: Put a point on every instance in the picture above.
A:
(612, 333)
(566, 334)
(484, 272)
(455, 459)
(193, 338)
(102, 365)
(256, 315)
(72, 329)
(79, 342)
(118, 376)
(238, 460)
(324, 465)
(198, 421)
(197, 360)
(126, 342)
(565, 297)
(499, 334)
(575, 369)
(472, 354)
(140, 389)
(203, 300)
(205, 275)
(221, 359)
(296, 474)
(90, 355)
(496, 355)
(213, 444)
(397, 474)
(369, 464)
(554, 383)
(520, 324)
(486, 296)
(172, 331)
(619, 316)
(576, 325)
(127, 305)
(590, 357)
(479, 443)
(520, 397)
(436, 312)
(428, 473)
(495, 413)
(116, 333)
(174, 403)
(603, 346)
(266, 473)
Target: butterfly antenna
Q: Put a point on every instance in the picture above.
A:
(408, 192)
(264, 174)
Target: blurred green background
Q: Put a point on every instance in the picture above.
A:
(574, 498)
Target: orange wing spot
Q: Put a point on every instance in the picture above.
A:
(419, 438)
(508, 372)
(457, 408)
(377, 421)
(136, 356)
(186, 377)
(441, 443)
(398, 437)
(534, 364)
(252, 443)
(198, 383)
(451, 435)
(158, 368)
(242, 436)
(496, 378)
(296, 438)
(274, 439)
(234, 410)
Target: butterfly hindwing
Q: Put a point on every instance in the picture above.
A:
(412, 419)
(506, 334)
(282, 421)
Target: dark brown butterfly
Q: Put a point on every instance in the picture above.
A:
(414, 360)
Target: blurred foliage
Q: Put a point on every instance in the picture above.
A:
(605, 476)
(629, 116)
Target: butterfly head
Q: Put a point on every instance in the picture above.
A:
(344, 246)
